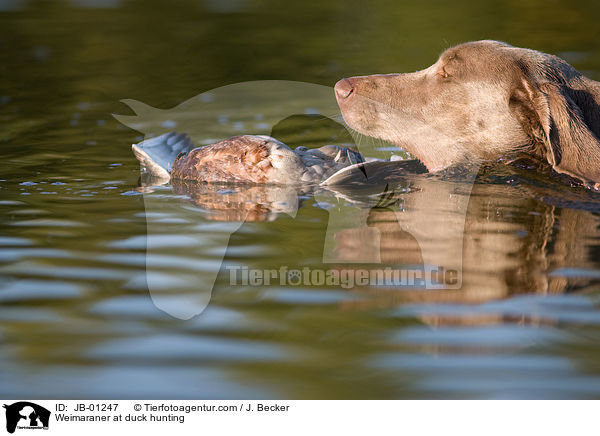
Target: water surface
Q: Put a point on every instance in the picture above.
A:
(84, 315)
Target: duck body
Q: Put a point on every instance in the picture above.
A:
(242, 159)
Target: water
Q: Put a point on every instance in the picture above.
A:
(93, 267)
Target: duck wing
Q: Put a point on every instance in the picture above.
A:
(158, 154)
(375, 172)
(240, 159)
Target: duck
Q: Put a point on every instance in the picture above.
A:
(251, 159)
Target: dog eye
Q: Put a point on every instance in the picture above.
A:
(443, 74)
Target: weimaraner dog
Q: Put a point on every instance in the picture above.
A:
(483, 101)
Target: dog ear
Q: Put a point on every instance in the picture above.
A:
(557, 125)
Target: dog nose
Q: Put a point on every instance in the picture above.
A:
(343, 89)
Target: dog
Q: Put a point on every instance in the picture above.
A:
(483, 101)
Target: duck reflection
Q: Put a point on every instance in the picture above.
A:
(222, 202)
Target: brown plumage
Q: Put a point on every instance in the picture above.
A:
(237, 159)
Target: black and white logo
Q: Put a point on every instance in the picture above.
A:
(26, 415)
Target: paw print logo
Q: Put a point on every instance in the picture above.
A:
(294, 277)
